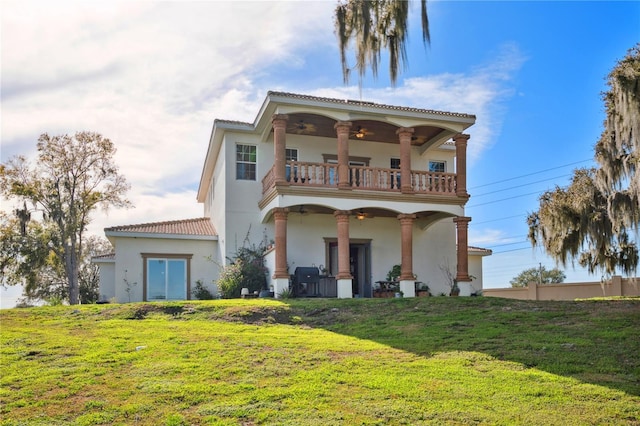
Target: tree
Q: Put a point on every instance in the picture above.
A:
(539, 275)
(595, 219)
(89, 272)
(72, 177)
(374, 26)
(26, 258)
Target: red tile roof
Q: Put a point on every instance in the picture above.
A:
(106, 256)
(365, 103)
(200, 226)
(479, 250)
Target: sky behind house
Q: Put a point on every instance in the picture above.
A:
(152, 76)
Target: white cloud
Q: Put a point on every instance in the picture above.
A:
(152, 76)
(482, 92)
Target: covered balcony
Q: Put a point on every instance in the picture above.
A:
(325, 175)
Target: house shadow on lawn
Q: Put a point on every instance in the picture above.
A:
(592, 341)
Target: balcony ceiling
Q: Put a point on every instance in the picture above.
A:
(363, 130)
(362, 213)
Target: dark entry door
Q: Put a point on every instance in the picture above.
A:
(360, 265)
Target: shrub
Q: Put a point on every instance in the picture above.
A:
(246, 269)
(230, 280)
(200, 292)
(393, 273)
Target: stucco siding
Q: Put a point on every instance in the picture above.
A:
(475, 271)
(107, 287)
(219, 205)
(242, 196)
(129, 263)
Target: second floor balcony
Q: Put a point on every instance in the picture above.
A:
(325, 175)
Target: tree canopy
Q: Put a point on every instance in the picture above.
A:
(594, 221)
(72, 177)
(539, 275)
(374, 26)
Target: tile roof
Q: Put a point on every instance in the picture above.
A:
(200, 226)
(372, 104)
(106, 256)
(475, 249)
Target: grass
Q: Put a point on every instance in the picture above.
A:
(323, 362)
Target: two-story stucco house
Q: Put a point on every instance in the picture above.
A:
(356, 187)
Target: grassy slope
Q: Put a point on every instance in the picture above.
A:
(382, 361)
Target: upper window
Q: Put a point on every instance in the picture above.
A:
(246, 162)
(395, 163)
(291, 154)
(437, 166)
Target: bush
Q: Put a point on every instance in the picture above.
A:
(200, 292)
(230, 280)
(246, 270)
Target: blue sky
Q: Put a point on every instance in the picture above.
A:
(153, 75)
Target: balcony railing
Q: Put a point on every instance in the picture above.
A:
(361, 177)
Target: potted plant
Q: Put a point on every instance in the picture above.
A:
(422, 290)
(393, 273)
(455, 290)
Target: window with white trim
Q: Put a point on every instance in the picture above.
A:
(246, 162)
(437, 166)
(394, 164)
(291, 154)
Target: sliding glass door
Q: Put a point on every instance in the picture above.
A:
(166, 279)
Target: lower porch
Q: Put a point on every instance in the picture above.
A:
(350, 255)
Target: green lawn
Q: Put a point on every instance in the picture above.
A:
(432, 360)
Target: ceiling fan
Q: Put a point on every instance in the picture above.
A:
(301, 128)
(361, 132)
(361, 215)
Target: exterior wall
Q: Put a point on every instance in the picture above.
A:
(130, 263)
(475, 271)
(617, 286)
(218, 206)
(107, 286)
(242, 196)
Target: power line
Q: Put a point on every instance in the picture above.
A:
(502, 218)
(507, 244)
(508, 251)
(505, 199)
(530, 174)
(520, 186)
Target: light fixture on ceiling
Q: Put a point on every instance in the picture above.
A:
(361, 215)
(360, 133)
